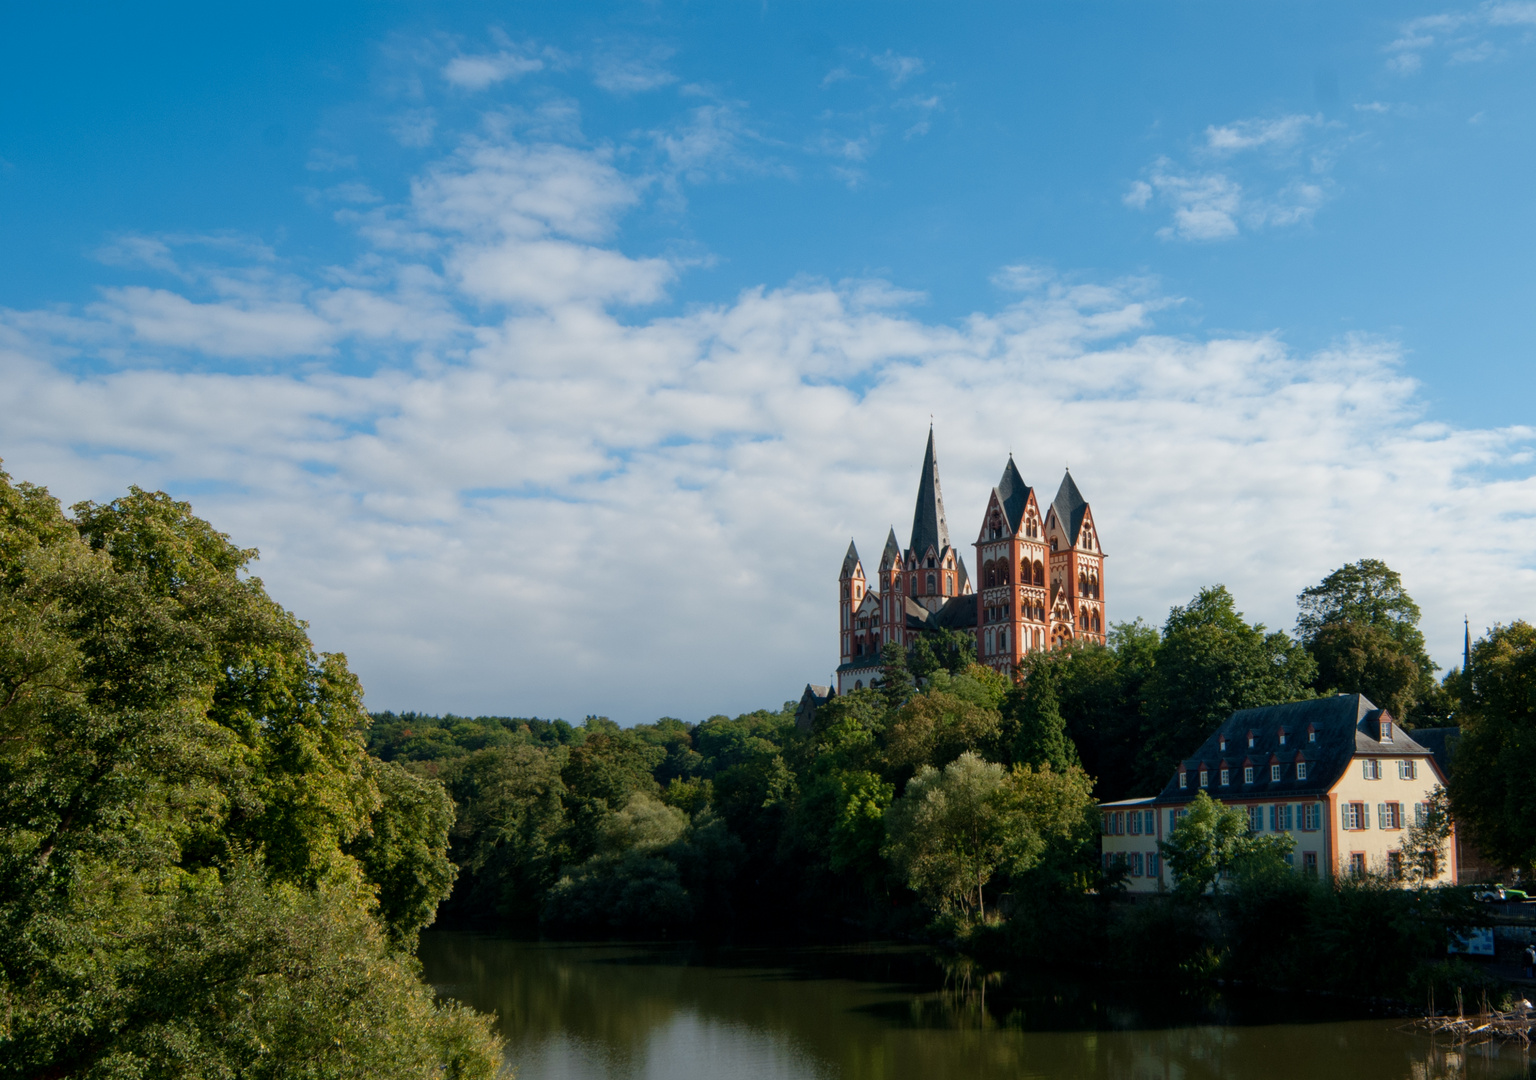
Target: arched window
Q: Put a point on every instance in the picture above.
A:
(949, 584)
(933, 586)
(912, 581)
(858, 684)
(1039, 573)
(1095, 622)
(1053, 543)
(990, 574)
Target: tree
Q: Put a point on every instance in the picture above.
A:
(896, 683)
(1032, 716)
(941, 650)
(1359, 658)
(1424, 846)
(181, 778)
(1211, 663)
(1496, 757)
(950, 832)
(403, 852)
(934, 728)
(1363, 629)
(1212, 839)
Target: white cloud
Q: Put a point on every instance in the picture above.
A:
(899, 68)
(554, 510)
(624, 70)
(1470, 36)
(1283, 131)
(486, 70)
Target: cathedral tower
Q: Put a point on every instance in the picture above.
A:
(1076, 569)
(1011, 599)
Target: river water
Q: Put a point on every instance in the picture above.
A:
(584, 1012)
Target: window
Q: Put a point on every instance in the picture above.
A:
(1281, 817)
(1247, 774)
(1356, 816)
(1205, 778)
(1386, 731)
(1135, 822)
(1154, 865)
(1390, 815)
(1183, 781)
(1120, 824)
(1420, 814)
(1301, 770)
(1311, 816)
(1290, 860)
(1309, 863)
(1256, 819)
(1226, 777)
(1395, 865)
(1274, 772)
(1223, 744)
(1357, 864)
(1135, 864)
(1371, 769)
(1407, 770)
(1282, 736)
(932, 585)
(1311, 736)
(1151, 823)
(1251, 738)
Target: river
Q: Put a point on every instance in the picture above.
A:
(605, 1012)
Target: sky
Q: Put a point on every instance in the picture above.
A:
(551, 354)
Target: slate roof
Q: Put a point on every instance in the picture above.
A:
(867, 662)
(1012, 494)
(1441, 742)
(929, 529)
(891, 556)
(850, 560)
(1345, 726)
(1070, 506)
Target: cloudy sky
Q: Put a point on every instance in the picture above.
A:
(551, 358)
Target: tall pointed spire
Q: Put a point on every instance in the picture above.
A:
(1069, 505)
(1466, 646)
(891, 556)
(928, 525)
(850, 562)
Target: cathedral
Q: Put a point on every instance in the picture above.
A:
(1039, 582)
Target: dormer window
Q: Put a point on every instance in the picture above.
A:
(1312, 734)
(1301, 770)
(1247, 774)
(1183, 779)
(1205, 778)
(1226, 777)
(1386, 731)
(1283, 735)
(1223, 744)
(1252, 738)
(1274, 772)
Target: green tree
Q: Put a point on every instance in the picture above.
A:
(941, 650)
(1212, 839)
(1362, 627)
(1496, 757)
(1424, 846)
(404, 851)
(951, 831)
(180, 777)
(1210, 663)
(934, 728)
(896, 684)
(1032, 716)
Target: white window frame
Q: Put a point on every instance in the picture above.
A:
(1274, 772)
(1247, 774)
(1301, 770)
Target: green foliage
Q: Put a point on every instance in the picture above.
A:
(1035, 732)
(935, 728)
(1212, 840)
(414, 736)
(192, 840)
(1210, 664)
(946, 650)
(1496, 757)
(1425, 845)
(404, 850)
(1362, 627)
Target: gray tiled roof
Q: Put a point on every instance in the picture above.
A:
(929, 529)
(891, 556)
(1012, 494)
(850, 560)
(1070, 506)
(1326, 733)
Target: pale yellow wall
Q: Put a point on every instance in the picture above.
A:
(1375, 842)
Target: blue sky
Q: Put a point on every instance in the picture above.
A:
(551, 354)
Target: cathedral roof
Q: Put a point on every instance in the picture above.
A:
(892, 554)
(1070, 506)
(850, 560)
(929, 529)
(1013, 494)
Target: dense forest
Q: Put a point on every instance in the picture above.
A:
(215, 862)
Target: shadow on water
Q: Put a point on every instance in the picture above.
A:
(572, 1012)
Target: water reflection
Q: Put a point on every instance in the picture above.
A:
(888, 1013)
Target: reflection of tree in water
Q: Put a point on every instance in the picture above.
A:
(894, 1014)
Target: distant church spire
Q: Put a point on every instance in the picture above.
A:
(928, 524)
(1466, 646)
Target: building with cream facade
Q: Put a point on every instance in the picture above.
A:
(1337, 774)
